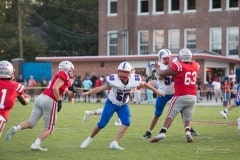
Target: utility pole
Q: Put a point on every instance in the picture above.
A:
(20, 2)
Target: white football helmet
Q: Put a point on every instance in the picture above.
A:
(165, 56)
(125, 66)
(185, 55)
(6, 70)
(164, 53)
(68, 67)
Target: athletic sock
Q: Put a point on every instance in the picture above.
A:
(163, 130)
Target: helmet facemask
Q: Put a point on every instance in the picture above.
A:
(123, 75)
(124, 71)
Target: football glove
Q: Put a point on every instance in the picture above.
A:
(71, 88)
(59, 106)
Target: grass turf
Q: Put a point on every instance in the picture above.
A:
(218, 138)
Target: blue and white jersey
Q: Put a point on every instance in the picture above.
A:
(166, 84)
(119, 93)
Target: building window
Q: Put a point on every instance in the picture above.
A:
(232, 5)
(112, 7)
(216, 40)
(158, 6)
(174, 6)
(190, 5)
(143, 42)
(142, 7)
(174, 39)
(190, 38)
(232, 40)
(158, 40)
(112, 43)
(215, 5)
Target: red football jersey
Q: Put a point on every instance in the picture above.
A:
(9, 90)
(67, 82)
(186, 78)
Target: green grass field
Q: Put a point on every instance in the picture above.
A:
(218, 138)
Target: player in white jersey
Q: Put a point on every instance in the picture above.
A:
(165, 85)
(120, 86)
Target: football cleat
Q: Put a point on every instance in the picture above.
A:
(36, 147)
(86, 115)
(223, 114)
(86, 142)
(193, 132)
(148, 134)
(10, 134)
(189, 137)
(118, 122)
(160, 136)
(114, 145)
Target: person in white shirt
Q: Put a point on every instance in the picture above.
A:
(232, 77)
(217, 89)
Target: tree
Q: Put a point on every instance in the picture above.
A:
(71, 26)
(62, 27)
(9, 40)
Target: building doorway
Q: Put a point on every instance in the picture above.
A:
(213, 73)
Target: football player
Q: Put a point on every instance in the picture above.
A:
(10, 90)
(185, 73)
(120, 86)
(47, 104)
(164, 84)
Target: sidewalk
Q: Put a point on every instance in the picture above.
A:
(204, 102)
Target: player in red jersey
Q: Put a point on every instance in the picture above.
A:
(47, 104)
(9, 91)
(185, 73)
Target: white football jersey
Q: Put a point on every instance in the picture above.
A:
(166, 84)
(119, 93)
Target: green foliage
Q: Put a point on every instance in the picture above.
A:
(71, 26)
(218, 138)
(49, 27)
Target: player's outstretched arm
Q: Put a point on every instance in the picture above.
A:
(149, 86)
(96, 90)
(24, 99)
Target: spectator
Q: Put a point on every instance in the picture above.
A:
(31, 84)
(209, 90)
(21, 80)
(137, 97)
(77, 83)
(226, 91)
(149, 91)
(93, 79)
(199, 89)
(87, 85)
(232, 76)
(98, 82)
(217, 89)
(43, 84)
